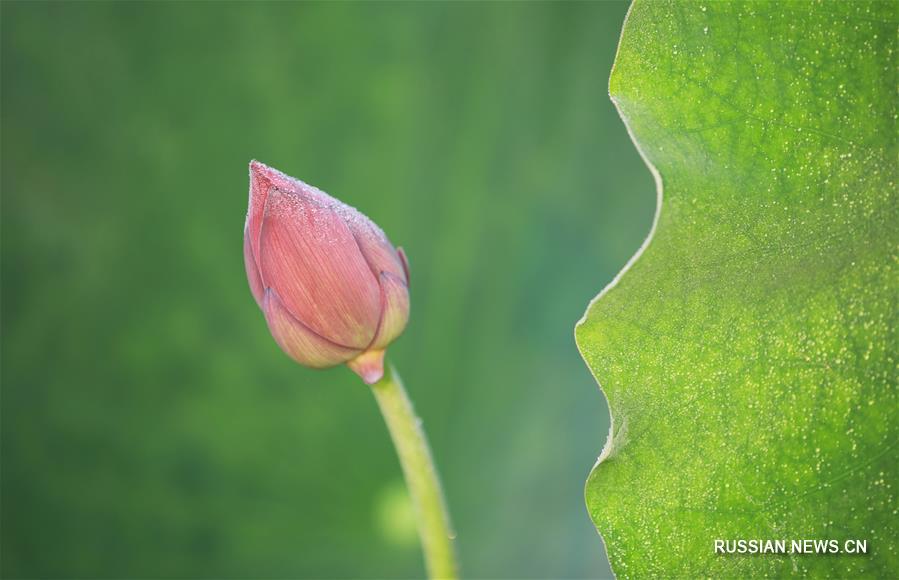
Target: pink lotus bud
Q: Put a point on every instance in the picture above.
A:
(331, 285)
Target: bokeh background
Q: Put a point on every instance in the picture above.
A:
(151, 427)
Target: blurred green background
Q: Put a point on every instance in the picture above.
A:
(150, 425)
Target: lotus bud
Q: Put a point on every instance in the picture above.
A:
(332, 287)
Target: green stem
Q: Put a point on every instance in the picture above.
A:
(434, 526)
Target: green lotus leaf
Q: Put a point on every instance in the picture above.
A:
(748, 352)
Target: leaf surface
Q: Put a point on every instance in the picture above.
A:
(748, 353)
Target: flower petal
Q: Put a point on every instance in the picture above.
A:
(405, 260)
(299, 342)
(259, 186)
(262, 179)
(310, 258)
(252, 270)
(395, 310)
(373, 243)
